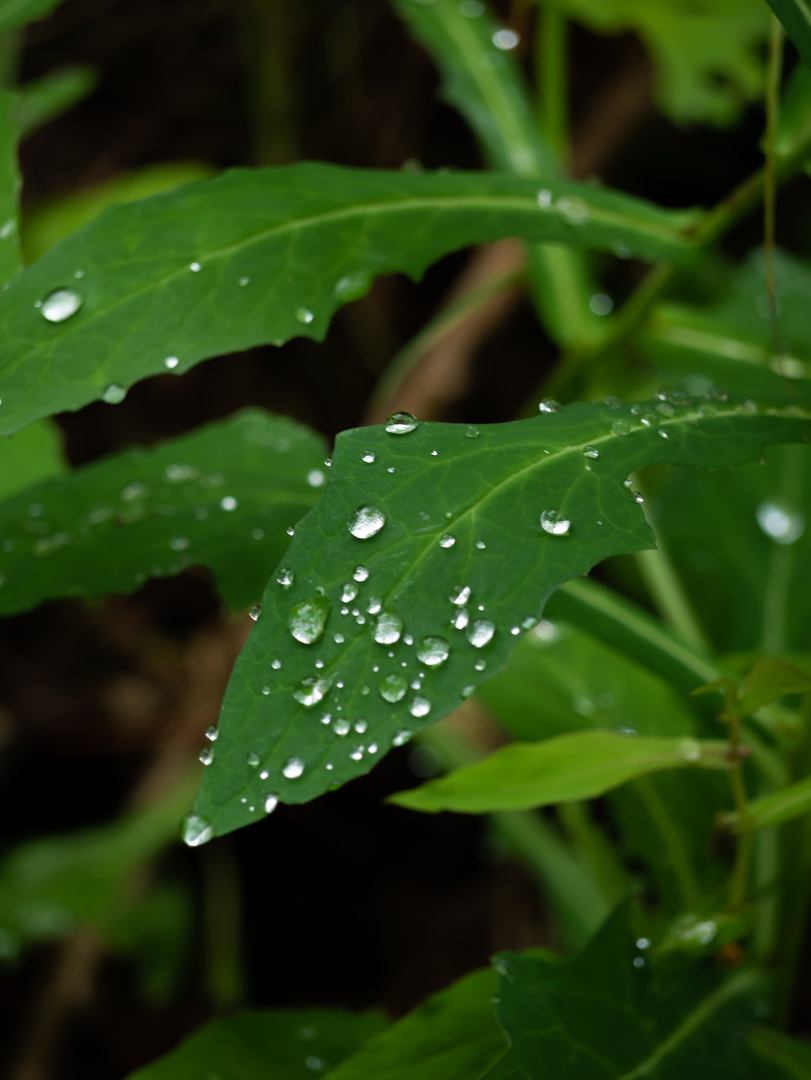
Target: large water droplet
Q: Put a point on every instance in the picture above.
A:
(361, 573)
(304, 315)
(349, 592)
(460, 618)
(60, 304)
(366, 521)
(285, 577)
(114, 394)
(196, 829)
(555, 523)
(621, 427)
(780, 521)
(271, 802)
(307, 620)
(480, 632)
(549, 405)
(393, 688)
(401, 423)
(447, 540)
(311, 690)
(433, 651)
(460, 594)
(368, 457)
(293, 768)
(419, 706)
(388, 628)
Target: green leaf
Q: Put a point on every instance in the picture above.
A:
(606, 1014)
(9, 190)
(768, 680)
(794, 116)
(580, 765)
(707, 57)
(454, 1035)
(795, 15)
(778, 1057)
(43, 100)
(282, 1044)
(48, 886)
(485, 494)
(33, 454)
(786, 804)
(265, 255)
(19, 12)
(486, 85)
(222, 496)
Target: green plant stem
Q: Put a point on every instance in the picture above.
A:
(743, 850)
(666, 590)
(221, 920)
(775, 65)
(552, 76)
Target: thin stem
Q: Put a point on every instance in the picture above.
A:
(553, 76)
(743, 852)
(670, 598)
(782, 556)
(770, 178)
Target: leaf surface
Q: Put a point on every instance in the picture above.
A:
(454, 1035)
(795, 15)
(786, 804)
(259, 256)
(461, 510)
(221, 497)
(33, 454)
(580, 765)
(281, 1044)
(601, 1015)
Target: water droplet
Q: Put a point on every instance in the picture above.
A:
(307, 620)
(255, 612)
(388, 628)
(304, 315)
(212, 733)
(401, 737)
(228, 503)
(555, 523)
(349, 592)
(341, 726)
(544, 198)
(271, 802)
(780, 521)
(621, 427)
(419, 706)
(361, 573)
(206, 755)
(447, 540)
(639, 962)
(311, 690)
(393, 688)
(196, 829)
(285, 577)
(601, 304)
(573, 210)
(690, 749)
(637, 496)
(315, 478)
(642, 943)
(480, 632)
(368, 457)
(114, 394)
(361, 725)
(401, 423)
(171, 362)
(275, 664)
(471, 9)
(339, 639)
(480, 665)
(195, 267)
(60, 304)
(472, 432)
(549, 405)
(293, 768)
(179, 543)
(460, 618)
(253, 759)
(505, 40)
(243, 281)
(664, 408)
(591, 452)
(480, 544)
(366, 521)
(266, 690)
(433, 651)
(374, 605)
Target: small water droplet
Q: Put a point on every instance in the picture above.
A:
(311, 690)
(480, 544)
(368, 457)
(506, 40)
(549, 405)
(460, 618)
(253, 759)
(266, 690)
(195, 267)
(255, 612)
(304, 315)
(196, 829)
(388, 628)
(401, 737)
(206, 755)
(361, 573)
(480, 665)
(472, 432)
(271, 802)
(480, 632)
(780, 521)
(179, 543)
(664, 408)
(171, 362)
(307, 620)
(601, 304)
(360, 725)
(433, 651)
(293, 768)
(341, 726)
(621, 427)
(447, 540)
(367, 521)
(637, 496)
(285, 577)
(243, 281)
(639, 962)
(339, 639)
(401, 423)
(114, 394)
(348, 592)
(212, 733)
(60, 305)
(573, 210)
(419, 706)
(229, 503)
(555, 523)
(591, 452)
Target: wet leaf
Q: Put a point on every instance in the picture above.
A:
(221, 497)
(264, 255)
(457, 513)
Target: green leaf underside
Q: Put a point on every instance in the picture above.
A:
(580, 765)
(795, 15)
(222, 497)
(306, 238)
(600, 1017)
(487, 492)
(283, 1044)
(19, 12)
(454, 1035)
(9, 189)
